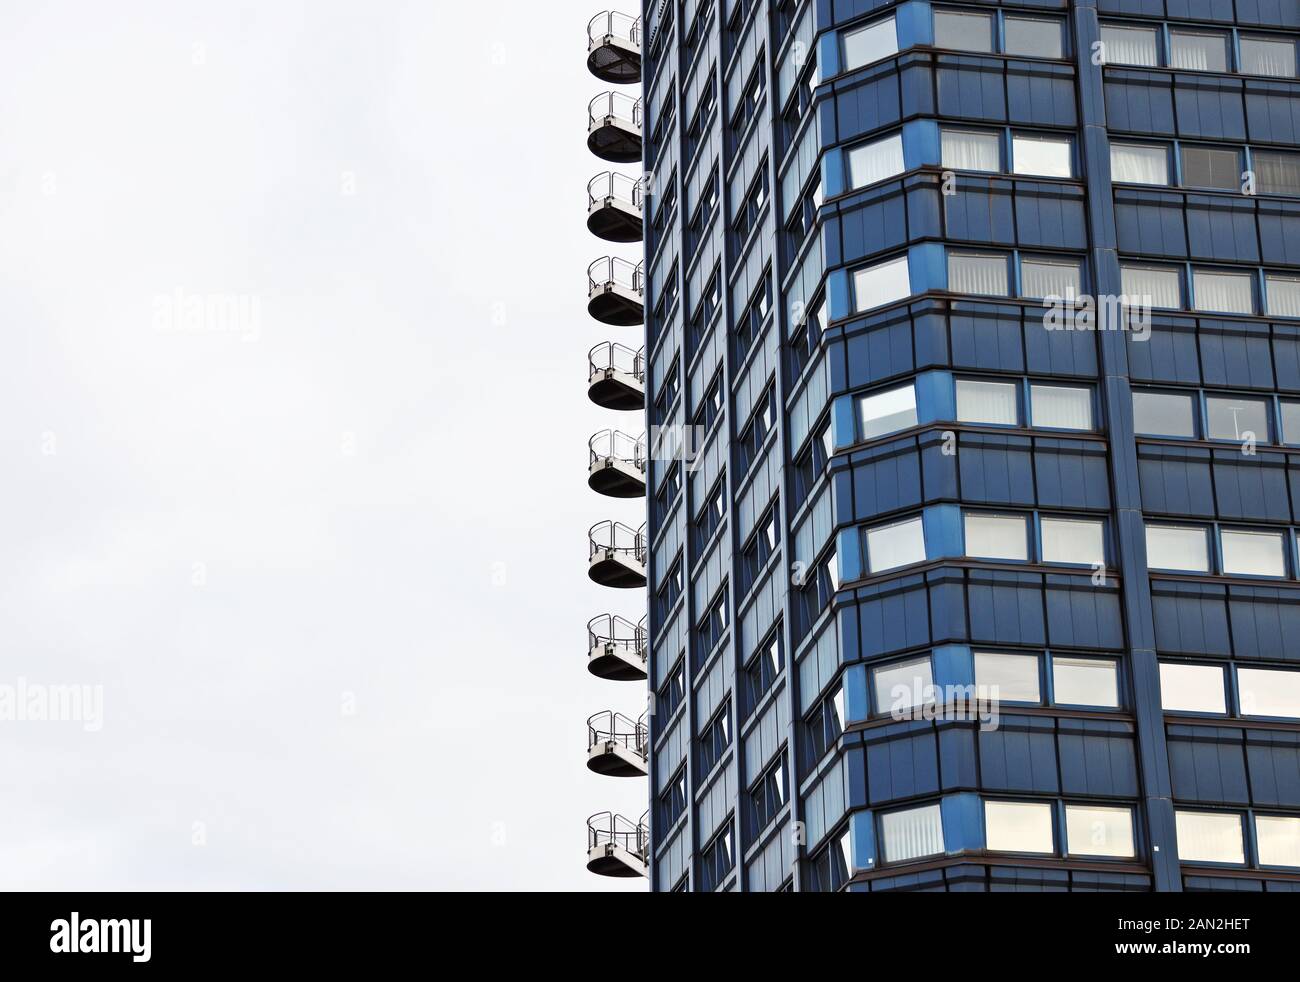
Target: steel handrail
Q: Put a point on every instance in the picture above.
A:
(615, 271)
(608, 828)
(615, 187)
(611, 629)
(617, 357)
(621, 538)
(614, 106)
(617, 445)
(608, 726)
(611, 21)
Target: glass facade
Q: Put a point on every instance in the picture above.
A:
(984, 322)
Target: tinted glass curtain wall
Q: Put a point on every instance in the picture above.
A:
(913, 474)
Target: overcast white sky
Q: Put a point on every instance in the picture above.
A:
(370, 491)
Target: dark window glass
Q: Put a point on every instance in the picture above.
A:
(1208, 167)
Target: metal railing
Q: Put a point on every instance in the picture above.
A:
(611, 630)
(612, 24)
(617, 445)
(615, 537)
(608, 726)
(612, 186)
(612, 271)
(614, 106)
(607, 828)
(611, 356)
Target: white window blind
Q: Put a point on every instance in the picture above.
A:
(912, 834)
(1130, 45)
(901, 687)
(1228, 293)
(1160, 286)
(996, 536)
(1268, 56)
(983, 275)
(1085, 682)
(968, 150)
(987, 402)
(1135, 163)
(1198, 52)
(1276, 173)
(1209, 837)
(1007, 677)
(1041, 278)
(870, 43)
(1061, 407)
(895, 545)
(887, 412)
(876, 161)
(881, 284)
(1073, 540)
(1283, 295)
(963, 31)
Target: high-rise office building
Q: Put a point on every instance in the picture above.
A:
(977, 567)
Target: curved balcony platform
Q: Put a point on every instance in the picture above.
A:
(614, 128)
(616, 376)
(616, 464)
(617, 745)
(616, 649)
(614, 207)
(615, 292)
(614, 47)
(617, 846)
(616, 555)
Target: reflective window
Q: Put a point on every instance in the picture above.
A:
(902, 687)
(883, 283)
(1253, 553)
(1192, 688)
(1096, 830)
(1033, 37)
(886, 412)
(1008, 678)
(1278, 837)
(1269, 692)
(1211, 167)
(1176, 547)
(898, 544)
(1236, 418)
(1018, 826)
(963, 31)
(1085, 682)
(996, 536)
(1042, 156)
(1209, 837)
(1163, 414)
(871, 43)
(1073, 540)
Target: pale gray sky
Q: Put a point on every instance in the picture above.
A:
(369, 487)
